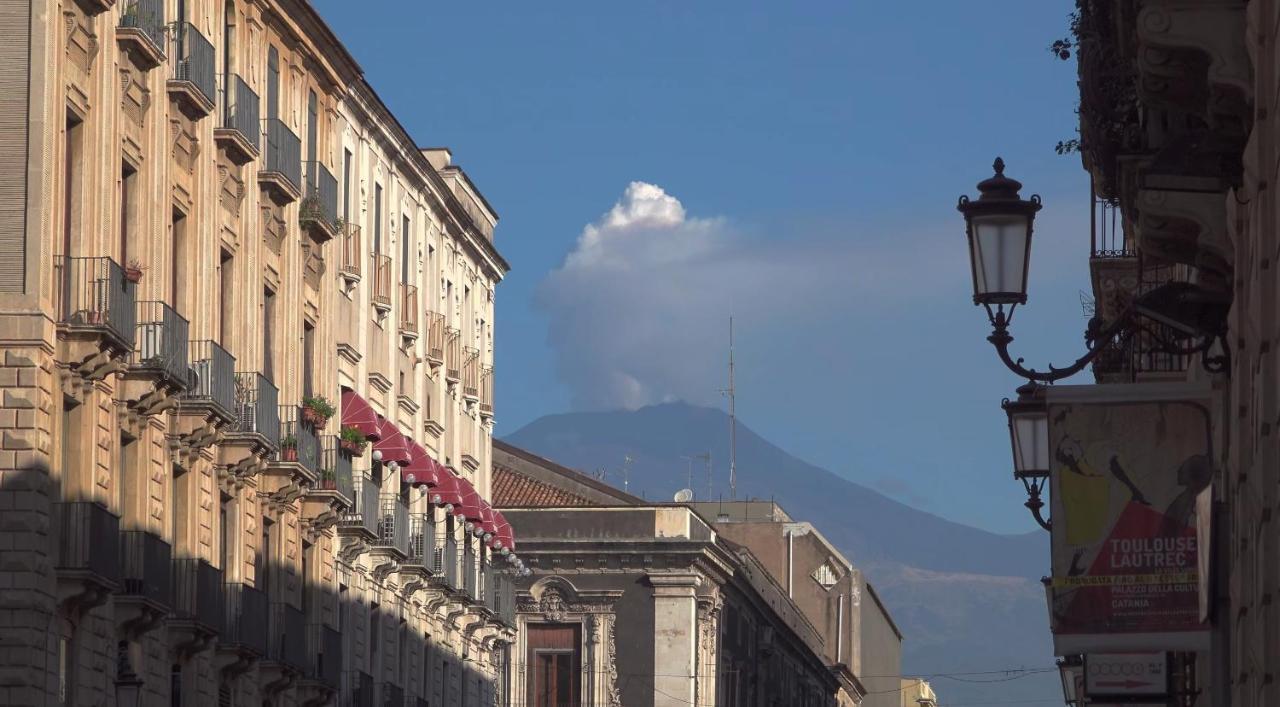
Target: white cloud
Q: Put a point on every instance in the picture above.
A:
(639, 309)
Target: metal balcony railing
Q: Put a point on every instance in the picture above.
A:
(87, 534)
(382, 282)
(503, 596)
(324, 648)
(160, 344)
(246, 618)
(284, 151)
(256, 408)
(321, 199)
(408, 309)
(287, 636)
(95, 293)
(469, 586)
(194, 60)
(148, 16)
(298, 440)
(486, 390)
(471, 373)
(393, 523)
(446, 559)
(392, 695)
(349, 267)
(1106, 230)
(364, 508)
(422, 540)
(435, 336)
(198, 593)
(357, 689)
(240, 109)
(212, 376)
(335, 468)
(146, 568)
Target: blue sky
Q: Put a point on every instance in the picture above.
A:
(807, 159)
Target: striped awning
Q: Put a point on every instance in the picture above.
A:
(420, 470)
(359, 415)
(392, 443)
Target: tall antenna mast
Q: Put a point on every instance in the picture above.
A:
(689, 480)
(733, 424)
(706, 457)
(626, 476)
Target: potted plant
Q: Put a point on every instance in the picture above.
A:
(317, 411)
(328, 480)
(133, 271)
(352, 440)
(289, 449)
(310, 209)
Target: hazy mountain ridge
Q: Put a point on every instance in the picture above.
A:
(965, 599)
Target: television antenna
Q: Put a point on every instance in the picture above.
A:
(706, 458)
(684, 496)
(731, 393)
(626, 472)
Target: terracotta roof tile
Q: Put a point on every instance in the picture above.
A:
(513, 490)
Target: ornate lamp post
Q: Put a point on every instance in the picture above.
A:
(1029, 436)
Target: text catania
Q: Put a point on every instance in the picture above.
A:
(1152, 553)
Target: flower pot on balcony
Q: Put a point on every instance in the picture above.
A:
(328, 485)
(354, 448)
(314, 418)
(289, 454)
(133, 274)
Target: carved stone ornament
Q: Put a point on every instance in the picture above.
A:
(552, 605)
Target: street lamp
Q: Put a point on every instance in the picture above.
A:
(999, 224)
(1029, 437)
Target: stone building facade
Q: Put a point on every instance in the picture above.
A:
(212, 234)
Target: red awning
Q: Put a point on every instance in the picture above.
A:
(357, 414)
(446, 488)
(504, 533)
(486, 517)
(393, 445)
(470, 501)
(420, 469)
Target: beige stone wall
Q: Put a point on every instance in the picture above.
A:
(79, 423)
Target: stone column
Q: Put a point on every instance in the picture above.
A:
(675, 638)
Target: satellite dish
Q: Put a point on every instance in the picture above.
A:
(684, 496)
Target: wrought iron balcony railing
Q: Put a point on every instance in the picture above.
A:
(471, 373)
(350, 265)
(446, 559)
(87, 544)
(435, 337)
(324, 646)
(486, 390)
(246, 618)
(256, 408)
(393, 523)
(212, 377)
(335, 468)
(287, 636)
(147, 567)
(320, 202)
(452, 354)
(194, 60)
(1106, 231)
(147, 16)
(469, 579)
(95, 294)
(298, 440)
(364, 509)
(502, 596)
(422, 540)
(408, 310)
(198, 593)
(382, 282)
(284, 152)
(161, 342)
(240, 110)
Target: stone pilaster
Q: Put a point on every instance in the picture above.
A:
(675, 634)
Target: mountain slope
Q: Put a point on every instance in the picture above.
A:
(965, 599)
(868, 525)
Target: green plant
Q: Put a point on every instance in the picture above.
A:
(311, 209)
(352, 435)
(328, 475)
(289, 442)
(320, 405)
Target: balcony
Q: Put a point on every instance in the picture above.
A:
(335, 472)
(435, 338)
(246, 621)
(422, 543)
(318, 213)
(1113, 262)
(281, 173)
(96, 303)
(288, 636)
(239, 134)
(470, 587)
(88, 559)
(486, 392)
(452, 355)
(146, 574)
(141, 32)
(257, 412)
(161, 345)
(198, 599)
(446, 560)
(471, 374)
(299, 443)
(211, 384)
(362, 519)
(324, 648)
(349, 266)
(502, 596)
(194, 85)
(1141, 356)
(357, 689)
(392, 695)
(409, 312)
(381, 294)
(393, 524)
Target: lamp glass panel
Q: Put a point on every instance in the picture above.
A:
(1030, 430)
(999, 245)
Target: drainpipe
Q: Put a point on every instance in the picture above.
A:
(839, 628)
(791, 547)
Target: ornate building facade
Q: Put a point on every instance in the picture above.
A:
(248, 341)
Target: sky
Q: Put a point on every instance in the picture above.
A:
(658, 167)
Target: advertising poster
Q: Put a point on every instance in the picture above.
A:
(1125, 475)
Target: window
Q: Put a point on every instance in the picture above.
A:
(228, 537)
(273, 84)
(268, 322)
(308, 356)
(228, 40)
(555, 660)
(346, 185)
(313, 117)
(405, 249)
(262, 564)
(178, 257)
(128, 190)
(226, 286)
(71, 183)
(377, 219)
